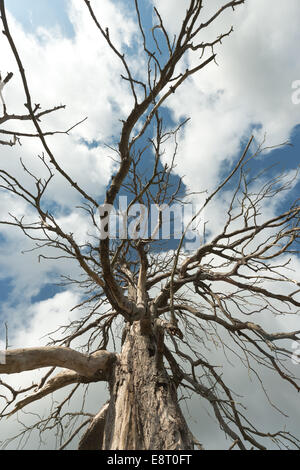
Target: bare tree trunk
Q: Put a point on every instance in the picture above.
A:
(143, 412)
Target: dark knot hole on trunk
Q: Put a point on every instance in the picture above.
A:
(151, 351)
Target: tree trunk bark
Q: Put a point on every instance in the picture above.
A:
(143, 411)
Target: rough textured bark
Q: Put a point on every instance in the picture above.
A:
(143, 412)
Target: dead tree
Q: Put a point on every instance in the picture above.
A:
(165, 300)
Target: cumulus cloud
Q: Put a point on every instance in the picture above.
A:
(252, 86)
(36, 320)
(82, 73)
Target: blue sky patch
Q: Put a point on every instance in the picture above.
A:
(42, 13)
(47, 292)
(6, 286)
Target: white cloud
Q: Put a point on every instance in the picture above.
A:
(34, 321)
(81, 73)
(251, 86)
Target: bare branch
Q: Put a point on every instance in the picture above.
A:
(19, 360)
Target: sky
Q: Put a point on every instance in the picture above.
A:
(249, 91)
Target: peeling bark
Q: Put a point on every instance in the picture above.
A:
(143, 412)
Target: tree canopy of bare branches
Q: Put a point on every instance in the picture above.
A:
(170, 304)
